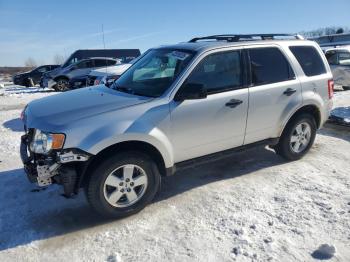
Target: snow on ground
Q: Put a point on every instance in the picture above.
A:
(253, 207)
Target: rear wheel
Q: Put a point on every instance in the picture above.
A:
(297, 137)
(123, 184)
(61, 85)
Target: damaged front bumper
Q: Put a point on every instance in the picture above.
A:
(56, 168)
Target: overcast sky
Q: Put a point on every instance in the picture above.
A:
(42, 29)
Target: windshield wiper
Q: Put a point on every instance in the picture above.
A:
(124, 89)
(131, 91)
(142, 94)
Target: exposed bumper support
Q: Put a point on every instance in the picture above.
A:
(57, 168)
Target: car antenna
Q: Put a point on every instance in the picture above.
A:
(104, 44)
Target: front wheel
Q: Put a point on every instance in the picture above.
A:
(297, 137)
(346, 88)
(123, 184)
(61, 85)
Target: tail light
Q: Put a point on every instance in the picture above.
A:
(330, 88)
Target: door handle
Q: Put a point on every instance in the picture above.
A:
(289, 91)
(233, 103)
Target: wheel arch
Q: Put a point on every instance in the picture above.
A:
(311, 109)
(133, 145)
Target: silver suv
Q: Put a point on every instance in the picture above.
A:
(178, 105)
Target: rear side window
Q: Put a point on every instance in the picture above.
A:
(85, 64)
(269, 65)
(309, 60)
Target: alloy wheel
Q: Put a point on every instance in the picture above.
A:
(125, 185)
(300, 137)
(62, 85)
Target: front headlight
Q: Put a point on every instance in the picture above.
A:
(43, 142)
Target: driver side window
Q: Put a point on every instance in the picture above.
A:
(218, 72)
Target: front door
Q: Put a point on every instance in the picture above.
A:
(204, 126)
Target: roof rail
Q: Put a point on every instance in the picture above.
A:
(236, 38)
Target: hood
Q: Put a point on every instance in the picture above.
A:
(22, 74)
(110, 70)
(54, 113)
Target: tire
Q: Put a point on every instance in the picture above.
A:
(28, 82)
(346, 88)
(62, 84)
(107, 188)
(288, 149)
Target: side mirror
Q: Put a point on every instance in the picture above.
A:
(73, 68)
(191, 91)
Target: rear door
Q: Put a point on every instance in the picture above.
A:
(273, 94)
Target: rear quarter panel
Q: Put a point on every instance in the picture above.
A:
(314, 88)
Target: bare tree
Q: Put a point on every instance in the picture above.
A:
(58, 59)
(331, 30)
(30, 62)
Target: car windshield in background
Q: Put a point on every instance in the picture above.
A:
(154, 73)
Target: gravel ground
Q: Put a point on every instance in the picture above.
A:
(251, 207)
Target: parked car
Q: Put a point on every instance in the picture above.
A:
(59, 79)
(339, 61)
(121, 55)
(31, 78)
(124, 55)
(177, 106)
(106, 76)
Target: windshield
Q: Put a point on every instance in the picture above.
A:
(154, 73)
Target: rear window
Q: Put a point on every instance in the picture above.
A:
(309, 60)
(269, 65)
